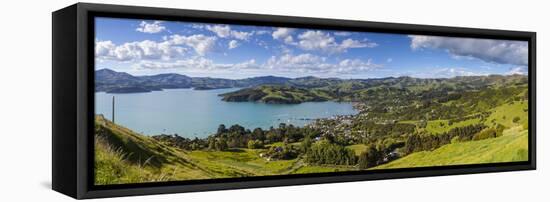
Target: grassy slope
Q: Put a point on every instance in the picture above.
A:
(505, 114)
(507, 148)
(123, 156)
(112, 167)
(512, 146)
(442, 126)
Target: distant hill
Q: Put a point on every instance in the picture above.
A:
(307, 89)
(111, 81)
(167, 81)
(280, 94)
(403, 122)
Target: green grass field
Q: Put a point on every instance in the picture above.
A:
(512, 146)
(442, 126)
(123, 156)
(506, 113)
(357, 148)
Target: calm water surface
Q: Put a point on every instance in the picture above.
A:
(198, 113)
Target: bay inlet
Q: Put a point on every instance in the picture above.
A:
(198, 113)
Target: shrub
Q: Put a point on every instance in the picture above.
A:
(368, 158)
(485, 134)
(255, 144)
(284, 152)
(455, 139)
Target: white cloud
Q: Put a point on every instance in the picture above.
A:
(389, 60)
(522, 70)
(318, 40)
(261, 32)
(287, 63)
(350, 43)
(494, 51)
(308, 63)
(197, 26)
(107, 50)
(241, 35)
(195, 64)
(225, 31)
(446, 72)
(233, 44)
(220, 30)
(170, 48)
(200, 43)
(284, 34)
(342, 33)
(151, 28)
(452, 72)
(104, 48)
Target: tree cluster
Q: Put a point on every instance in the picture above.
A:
(323, 152)
(428, 142)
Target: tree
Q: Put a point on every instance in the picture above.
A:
(485, 134)
(221, 129)
(258, 134)
(255, 144)
(369, 158)
(218, 144)
(306, 143)
(324, 152)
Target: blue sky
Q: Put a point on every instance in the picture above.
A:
(146, 47)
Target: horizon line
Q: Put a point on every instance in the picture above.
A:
(270, 75)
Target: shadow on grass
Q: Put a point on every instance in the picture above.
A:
(235, 150)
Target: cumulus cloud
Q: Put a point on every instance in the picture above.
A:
(284, 34)
(308, 63)
(195, 63)
(172, 47)
(318, 40)
(225, 31)
(233, 44)
(286, 63)
(488, 50)
(150, 28)
(107, 50)
(200, 43)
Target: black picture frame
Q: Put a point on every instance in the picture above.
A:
(73, 100)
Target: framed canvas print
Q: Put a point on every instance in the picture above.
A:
(155, 100)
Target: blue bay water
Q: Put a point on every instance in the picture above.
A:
(198, 113)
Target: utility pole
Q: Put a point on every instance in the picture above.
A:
(113, 112)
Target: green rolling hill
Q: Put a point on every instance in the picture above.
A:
(507, 148)
(123, 156)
